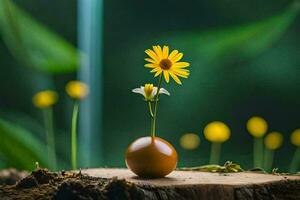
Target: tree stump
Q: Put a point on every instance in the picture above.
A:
(123, 184)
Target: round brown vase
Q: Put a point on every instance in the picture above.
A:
(151, 157)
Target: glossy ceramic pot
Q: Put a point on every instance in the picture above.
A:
(151, 157)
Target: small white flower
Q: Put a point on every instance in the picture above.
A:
(149, 91)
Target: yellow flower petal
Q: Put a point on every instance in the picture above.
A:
(158, 51)
(177, 57)
(181, 71)
(150, 65)
(180, 74)
(181, 64)
(185, 70)
(148, 89)
(155, 69)
(172, 54)
(158, 73)
(176, 79)
(150, 60)
(165, 52)
(152, 55)
(166, 75)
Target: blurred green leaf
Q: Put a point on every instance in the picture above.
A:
(33, 44)
(241, 41)
(217, 54)
(20, 147)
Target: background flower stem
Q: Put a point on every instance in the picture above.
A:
(268, 159)
(155, 106)
(215, 153)
(295, 161)
(258, 149)
(48, 120)
(74, 135)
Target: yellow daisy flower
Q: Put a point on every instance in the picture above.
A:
(161, 62)
(45, 99)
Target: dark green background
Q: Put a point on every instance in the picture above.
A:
(230, 88)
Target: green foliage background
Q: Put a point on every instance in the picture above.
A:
(244, 59)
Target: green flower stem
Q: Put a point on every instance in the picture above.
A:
(150, 109)
(48, 120)
(268, 159)
(295, 161)
(74, 135)
(215, 153)
(155, 107)
(258, 149)
(151, 116)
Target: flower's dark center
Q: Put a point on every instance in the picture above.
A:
(165, 64)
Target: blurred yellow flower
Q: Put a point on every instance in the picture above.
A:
(189, 141)
(217, 132)
(162, 62)
(45, 99)
(295, 138)
(273, 140)
(257, 126)
(77, 89)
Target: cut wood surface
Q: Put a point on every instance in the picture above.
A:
(107, 183)
(182, 178)
(207, 185)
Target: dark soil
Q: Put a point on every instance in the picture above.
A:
(11, 176)
(42, 184)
